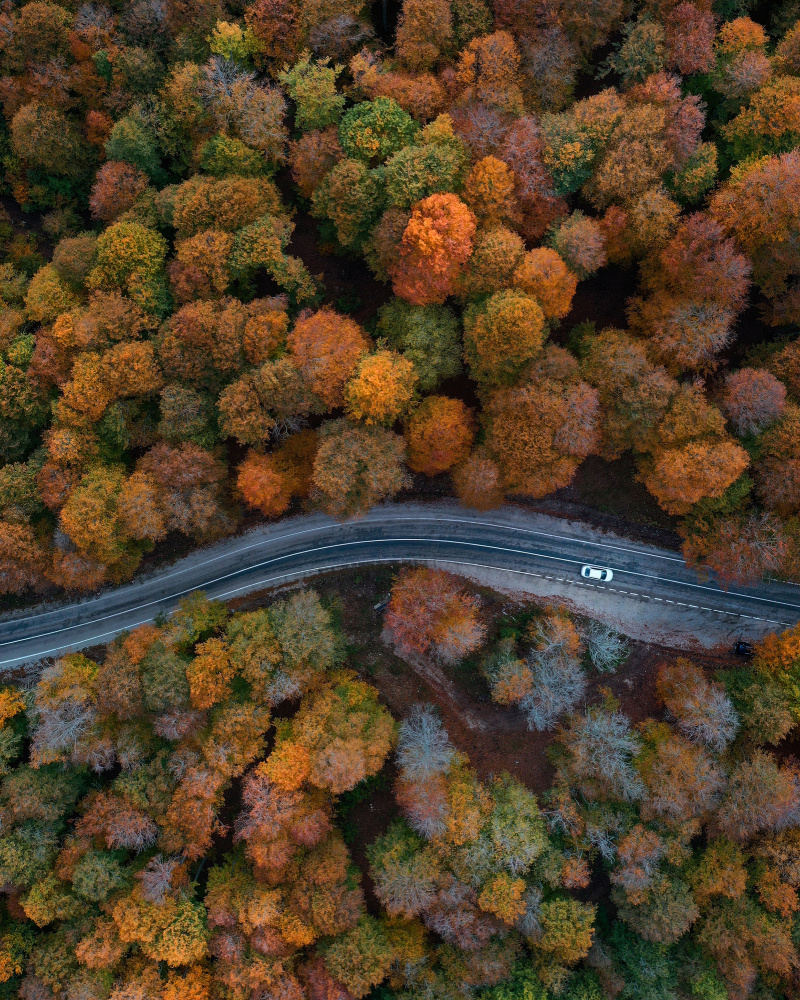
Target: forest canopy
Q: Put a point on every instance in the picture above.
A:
(180, 817)
(179, 181)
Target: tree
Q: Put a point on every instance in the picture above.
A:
(429, 336)
(523, 149)
(174, 932)
(186, 482)
(665, 915)
(641, 52)
(403, 873)
(360, 959)
(200, 268)
(281, 651)
(489, 190)
(116, 188)
(373, 130)
(327, 348)
(266, 402)
(436, 244)
(344, 733)
(224, 156)
(556, 682)
(568, 929)
(433, 167)
(686, 333)
(225, 204)
(758, 797)
(277, 25)
(429, 612)
(741, 938)
(758, 207)
(420, 94)
(754, 399)
(580, 243)
(356, 467)
(23, 560)
(381, 389)
(766, 125)
(689, 39)
(210, 674)
(683, 780)
(703, 710)
(778, 470)
(679, 477)
(93, 517)
(543, 274)
(130, 258)
(488, 70)
(263, 485)
(699, 262)
(312, 157)
(497, 252)
(600, 747)
(639, 854)
(44, 138)
(540, 433)
(73, 259)
(252, 111)
(423, 31)
(47, 296)
(502, 334)
(313, 89)
(423, 746)
(439, 435)
(720, 872)
(788, 51)
(605, 647)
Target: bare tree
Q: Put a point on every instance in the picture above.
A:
(423, 747)
(605, 647)
(601, 746)
(558, 685)
(156, 877)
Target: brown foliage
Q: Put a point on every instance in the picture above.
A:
(478, 481)
(679, 477)
(429, 612)
(263, 485)
(356, 467)
(381, 388)
(753, 400)
(439, 435)
(116, 188)
(540, 433)
(327, 347)
(436, 244)
(312, 156)
(545, 276)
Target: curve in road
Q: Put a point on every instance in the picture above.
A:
(523, 550)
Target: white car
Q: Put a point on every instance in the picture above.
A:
(597, 573)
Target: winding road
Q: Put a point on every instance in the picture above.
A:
(653, 595)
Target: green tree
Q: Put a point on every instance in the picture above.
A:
(312, 87)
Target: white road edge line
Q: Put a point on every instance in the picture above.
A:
(271, 580)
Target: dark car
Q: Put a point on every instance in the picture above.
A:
(742, 648)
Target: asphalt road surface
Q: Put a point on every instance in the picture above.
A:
(529, 552)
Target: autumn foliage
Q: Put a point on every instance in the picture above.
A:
(430, 613)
